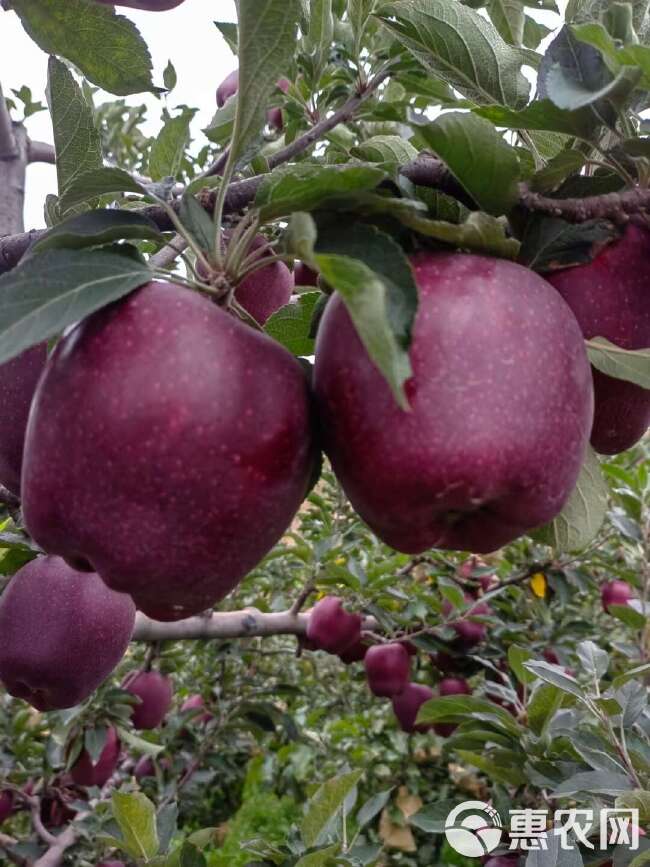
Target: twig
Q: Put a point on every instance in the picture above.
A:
(39, 827)
(54, 855)
(168, 254)
(40, 152)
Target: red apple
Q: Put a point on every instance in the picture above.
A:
(155, 693)
(407, 704)
(451, 686)
(230, 85)
(303, 275)
(331, 627)
(144, 767)
(501, 406)
(355, 653)
(388, 667)
(86, 773)
(6, 805)
(615, 593)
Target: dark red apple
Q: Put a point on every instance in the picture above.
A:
(87, 773)
(501, 405)
(264, 292)
(303, 275)
(407, 704)
(609, 298)
(169, 448)
(155, 693)
(147, 5)
(451, 686)
(331, 627)
(230, 85)
(18, 380)
(551, 656)
(62, 633)
(388, 667)
(6, 805)
(355, 653)
(469, 632)
(615, 593)
(144, 767)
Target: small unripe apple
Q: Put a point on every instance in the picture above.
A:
(230, 85)
(144, 767)
(155, 693)
(85, 773)
(331, 627)
(451, 686)
(388, 667)
(303, 275)
(407, 704)
(62, 632)
(6, 805)
(615, 593)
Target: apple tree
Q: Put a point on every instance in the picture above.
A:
(323, 481)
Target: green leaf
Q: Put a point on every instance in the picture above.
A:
(556, 675)
(571, 94)
(197, 221)
(615, 55)
(509, 18)
(169, 146)
(190, 856)
(637, 799)
(229, 32)
(372, 808)
(88, 185)
(222, 124)
(544, 700)
(136, 817)
(582, 516)
(594, 782)
(95, 741)
(633, 674)
(321, 33)
(267, 43)
(322, 858)
(480, 233)
(594, 660)
(558, 169)
(385, 149)
(166, 825)
(542, 114)
(627, 615)
(459, 46)
(478, 157)
(516, 658)
(46, 293)
(627, 364)
(291, 325)
(111, 54)
(170, 79)
(140, 744)
(306, 187)
(359, 12)
(456, 708)
(372, 275)
(76, 139)
(432, 818)
(325, 804)
(502, 766)
(94, 228)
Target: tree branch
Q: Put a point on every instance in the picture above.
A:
(12, 178)
(8, 147)
(618, 207)
(40, 152)
(248, 623)
(54, 855)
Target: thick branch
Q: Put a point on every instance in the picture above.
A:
(8, 147)
(249, 623)
(54, 855)
(12, 181)
(40, 152)
(618, 207)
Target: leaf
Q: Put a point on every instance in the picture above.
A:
(140, 744)
(228, 30)
(267, 42)
(594, 782)
(76, 139)
(168, 148)
(306, 187)
(372, 808)
(385, 149)
(542, 114)
(359, 12)
(166, 825)
(637, 672)
(544, 700)
(94, 228)
(111, 54)
(322, 858)
(478, 157)
(480, 233)
(432, 818)
(627, 364)
(508, 17)
(459, 46)
(88, 185)
(551, 244)
(594, 660)
(136, 817)
(516, 658)
(321, 33)
(627, 615)
(46, 293)
(190, 856)
(557, 676)
(222, 124)
(557, 170)
(325, 804)
(637, 799)
(455, 708)
(583, 514)
(372, 274)
(197, 221)
(291, 325)
(170, 78)
(95, 741)
(496, 765)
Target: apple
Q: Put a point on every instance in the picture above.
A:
(112, 864)
(331, 627)
(18, 380)
(609, 299)
(230, 85)
(501, 405)
(407, 704)
(451, 686)
(155, 693)
(551, 656)
(388, 667)
(168, 448)
(6, 805)
(303, 275)
(502, 861)
(196, 702)
(62, 632)
(469, 632)
(85, 772)
(144, 767)
(355, 653)
(615, 593)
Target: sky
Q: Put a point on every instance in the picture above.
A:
(186, 35)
